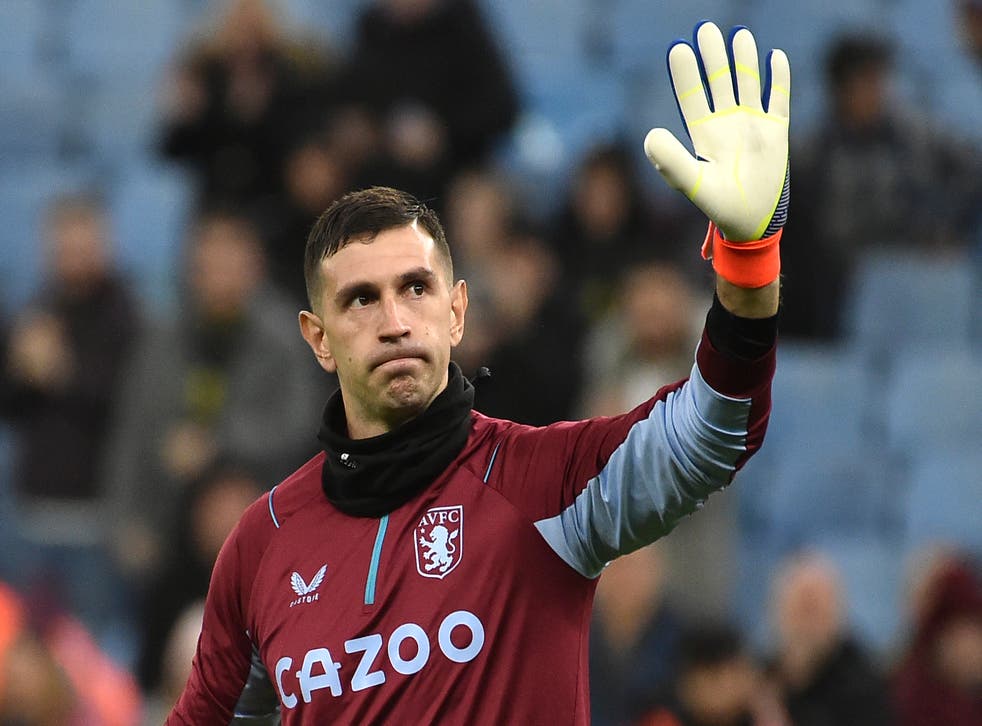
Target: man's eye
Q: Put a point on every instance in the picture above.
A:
(360, 301)
(418, 288)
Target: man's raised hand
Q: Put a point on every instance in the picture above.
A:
(739, 175)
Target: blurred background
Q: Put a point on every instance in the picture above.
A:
(161, 162)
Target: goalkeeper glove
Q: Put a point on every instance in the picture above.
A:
(739, 175)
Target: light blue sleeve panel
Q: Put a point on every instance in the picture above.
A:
(667, 466)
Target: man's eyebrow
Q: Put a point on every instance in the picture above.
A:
(422, 274)
(353, 290)
(364, 287)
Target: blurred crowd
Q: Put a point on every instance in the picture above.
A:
(136, 436)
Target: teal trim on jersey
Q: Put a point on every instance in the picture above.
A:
(494, 455)
(383, 524)
(271, 512)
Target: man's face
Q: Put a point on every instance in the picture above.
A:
(386, 320)
(79, 250)
(225, 269)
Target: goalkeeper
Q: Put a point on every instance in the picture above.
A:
(436, 565)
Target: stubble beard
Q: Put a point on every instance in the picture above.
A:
(403, 398)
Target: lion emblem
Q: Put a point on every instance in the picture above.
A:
(439, 541)
(438, 551)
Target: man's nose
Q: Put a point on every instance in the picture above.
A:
(393, 323)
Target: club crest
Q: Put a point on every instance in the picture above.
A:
(439, 541)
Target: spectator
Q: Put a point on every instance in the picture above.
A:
(430, 74)
(63, 359)
(970, 17)
(178, 652)
(212, 505)
(873, 175)
(59, 375)
(535, 357)
(825, 677)
(480, 214)
(633, 640)
(521, 326)
(717, 684)
(239, 99)
(645, 341)
(605, 226)
(925, 569)
(229, 375)
(314, 176)
(53, 674)
(940, 678)
(33, 690)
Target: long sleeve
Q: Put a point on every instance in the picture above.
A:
(604, 487)
(228, 683)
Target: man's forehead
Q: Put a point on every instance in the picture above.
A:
(387, 254)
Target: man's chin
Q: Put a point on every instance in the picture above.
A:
(405, 392)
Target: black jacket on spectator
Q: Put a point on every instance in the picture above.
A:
(536, 372)
(445, 61)
(238, 161)
(847, 690)
(62, 435)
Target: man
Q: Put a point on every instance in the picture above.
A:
(222, 378)
(61, 367)
(717, 683)
(872, 176)
(436, 565)
(824, 674)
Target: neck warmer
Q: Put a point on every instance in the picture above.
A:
(372, 477)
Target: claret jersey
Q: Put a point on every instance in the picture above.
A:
(471, 603)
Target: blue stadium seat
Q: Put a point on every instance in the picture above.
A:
(10, 543)
(31, 125)
(115, 122)
(756, 564)
(934, 401)
(944, 503)
(804, 30)
(546, 29)
(819, 404)
(108, 39)
(909, 301)
(641, 31)
(832, 492)
(873, 576)
(316, 19)
(820, 397)
(151, 205)
(932, 54)
(22, 33)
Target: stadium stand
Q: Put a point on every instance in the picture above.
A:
(944, 501)
(934, 402)
(873, 446)
(910, 301)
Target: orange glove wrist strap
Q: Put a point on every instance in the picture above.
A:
(745, 264)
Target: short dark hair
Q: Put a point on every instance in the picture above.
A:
(853, 54)
(361, 216)
(86, 204)
(708, 645)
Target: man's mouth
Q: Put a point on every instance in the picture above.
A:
(395, 358)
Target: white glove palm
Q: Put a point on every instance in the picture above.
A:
(742, 150)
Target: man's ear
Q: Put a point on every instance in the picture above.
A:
(458, 309)
(312, 330)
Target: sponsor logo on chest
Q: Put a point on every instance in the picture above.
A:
(439, 541)
(306, 592)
